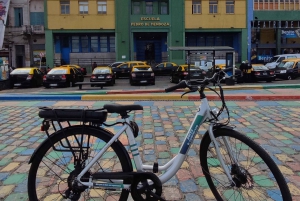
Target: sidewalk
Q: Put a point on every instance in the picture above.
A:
(272, 124)
(241, 93)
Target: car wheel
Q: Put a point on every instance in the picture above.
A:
(92, 85)
(111, 83)
(179, 80)
(47, 86)
(269, 80)
(289, 77)
(153, 83)
(171, 79)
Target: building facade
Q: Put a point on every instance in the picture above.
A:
(24, 37)
(121, 30)
(275, 28)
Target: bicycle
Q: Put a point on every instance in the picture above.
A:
(87, 161)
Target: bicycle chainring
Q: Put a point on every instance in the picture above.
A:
(146, 187)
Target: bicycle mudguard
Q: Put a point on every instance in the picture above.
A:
(58, 132)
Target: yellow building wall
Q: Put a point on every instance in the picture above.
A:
(74, 20)
(218, 20)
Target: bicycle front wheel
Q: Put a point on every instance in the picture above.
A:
(62, 157)
(255, 174)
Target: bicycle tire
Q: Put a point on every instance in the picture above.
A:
(38, 177)
(252, 179)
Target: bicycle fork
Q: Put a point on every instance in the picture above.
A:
(219, 155)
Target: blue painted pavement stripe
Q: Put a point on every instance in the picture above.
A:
(40, 97)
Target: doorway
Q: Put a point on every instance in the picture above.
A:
(150, 47)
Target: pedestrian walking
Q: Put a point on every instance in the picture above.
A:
(243, 70)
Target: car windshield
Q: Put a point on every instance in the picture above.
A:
(20, 71)
(274, 59)
(135, 69)
(286, 64)
(260, 68)
(101, 71)
(57, 71)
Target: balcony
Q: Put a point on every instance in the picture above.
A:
(38, 29)
(25, 29)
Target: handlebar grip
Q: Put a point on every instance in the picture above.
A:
(180, 85)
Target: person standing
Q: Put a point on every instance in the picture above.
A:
(243, 70)
(94, 66)
(248, 71)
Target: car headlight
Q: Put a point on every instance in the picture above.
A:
(283, 71)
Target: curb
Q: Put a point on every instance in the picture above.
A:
(149, 97)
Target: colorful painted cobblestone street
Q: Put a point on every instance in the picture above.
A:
(274, 125)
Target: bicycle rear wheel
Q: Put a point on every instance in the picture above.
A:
(52, 171)
(256, 176)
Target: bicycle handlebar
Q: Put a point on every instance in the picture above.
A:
(183, 84)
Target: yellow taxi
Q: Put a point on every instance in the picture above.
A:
(288, 69)
(141, 74)
(27, 77)
(82, 69)
(125, 68)
(103, 74)
(64, 76)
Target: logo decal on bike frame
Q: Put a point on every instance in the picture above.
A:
(191, 134)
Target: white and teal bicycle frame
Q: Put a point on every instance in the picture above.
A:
(203, 114)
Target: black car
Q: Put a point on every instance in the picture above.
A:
(141, 74)
(26, 77)
(124, 69)
(62, 77)
(115, 64)
(181, 73)
(164, 68)
(260, 72)
(104, 75)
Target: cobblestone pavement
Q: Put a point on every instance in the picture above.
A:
(272, 124)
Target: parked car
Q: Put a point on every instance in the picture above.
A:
(288, 69)
(260, 72)
(124, 69)
(82, 69)
(181, 73)
(142, 74)
(115, 64)
(103, 74)
(26, 77)
(164, 68)
(61, 77)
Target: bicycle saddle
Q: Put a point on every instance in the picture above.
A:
(121, 109)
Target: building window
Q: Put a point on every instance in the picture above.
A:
(213, 6)
(149, 7)
(75, 43)
(112, 46)
(136, 8)
(229, 6)
(18, 17)
(64, 7)
(102, 6)
(84, 44)
(83, 7)
(164, 10)
(94, 44)
(103, 44)
(196, 9)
